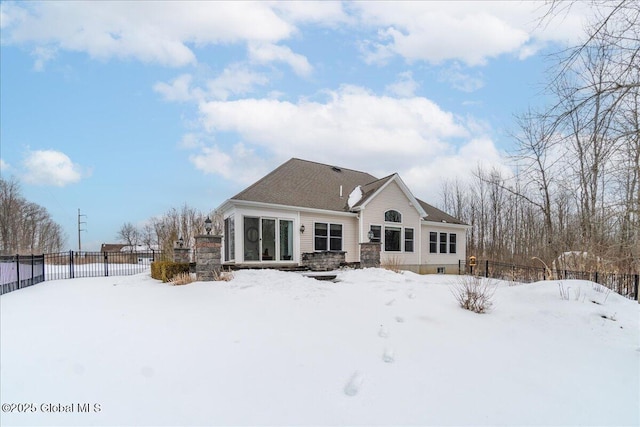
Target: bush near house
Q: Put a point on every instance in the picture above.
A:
(166, 270)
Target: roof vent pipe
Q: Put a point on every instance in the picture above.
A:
(341, 191)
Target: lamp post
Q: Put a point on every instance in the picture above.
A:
(207, 225)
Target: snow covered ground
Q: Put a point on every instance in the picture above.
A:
(275, 348)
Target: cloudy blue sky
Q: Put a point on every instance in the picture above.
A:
(127, 109)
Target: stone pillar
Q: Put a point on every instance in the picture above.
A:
(181, 255)
(208, 257)
(370, 254)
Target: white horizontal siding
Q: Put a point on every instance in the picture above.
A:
(349, 232)
(438, 258)
(392, 197)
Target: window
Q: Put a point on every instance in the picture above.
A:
(320, 231)
(440, 270)
(408, 239)
(377, 233)
(392, 239)
(229, 239)
(452, 243)
(443, 243)
(327, 236)
(335, 237)
(286, 240)
(433, 242)
(392, 216)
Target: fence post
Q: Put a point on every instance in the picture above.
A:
(71, 264)
(32, 279)
(106, 264)
(636, 280)
(486, 269)
(18, 269)
(596, 277)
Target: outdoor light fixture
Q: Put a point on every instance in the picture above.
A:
(207, 225)
(370, 235)
(180, 242)
(302, 228)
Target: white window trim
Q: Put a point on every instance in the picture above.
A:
(381, 231)
(393, 222)
(455, 244)
(329, 224)
(446, 242)
(413, 239)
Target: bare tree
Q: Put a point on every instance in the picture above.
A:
(130, 235)
(26, 227)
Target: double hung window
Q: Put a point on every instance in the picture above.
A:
(327, 236)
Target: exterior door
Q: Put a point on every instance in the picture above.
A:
(268, 240)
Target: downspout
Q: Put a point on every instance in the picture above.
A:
(360, 233)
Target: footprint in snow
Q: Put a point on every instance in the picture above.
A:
(388, 356)
(383, 332)
(353, 385)
(390, 303)
(399, 319)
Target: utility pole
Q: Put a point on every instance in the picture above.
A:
(80, 229)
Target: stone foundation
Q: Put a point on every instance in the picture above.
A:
(324, 260)
(208, 257)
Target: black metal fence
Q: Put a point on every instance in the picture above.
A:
(624, 284)
(71, 265)
(19, 271)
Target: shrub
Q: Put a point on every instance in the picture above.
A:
(181, 279)
(474, 293)
(225, 276)
(392, 263)
(166, 270)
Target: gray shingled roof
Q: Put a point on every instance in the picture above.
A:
(436, 215)
(307, 184)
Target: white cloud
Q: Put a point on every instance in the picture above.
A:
(191, 141)
(323, 12)
(353, 123)
(179, 90)
(235, 80)
(43, 54)
(242, 165)
(264, 53)
(353, 128)
(460, 80)
(159, 32)
(169, 33)
(404, 87)
(49, 167)
(426, 179)
(4, 166)
(470, 32)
